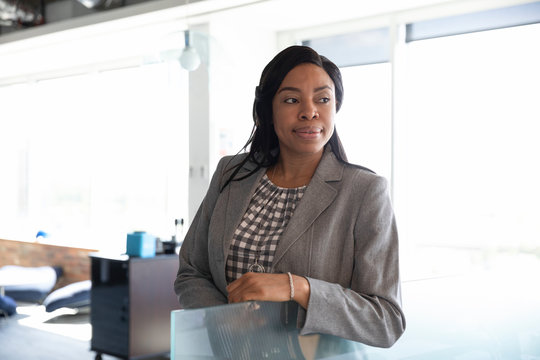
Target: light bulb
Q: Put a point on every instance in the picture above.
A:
(190, 59)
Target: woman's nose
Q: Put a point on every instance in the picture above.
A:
(309, 112)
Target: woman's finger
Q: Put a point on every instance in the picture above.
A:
(262, 287)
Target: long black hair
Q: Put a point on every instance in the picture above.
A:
(263, 142)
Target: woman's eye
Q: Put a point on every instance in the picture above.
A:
(324, 100)
(291, 101)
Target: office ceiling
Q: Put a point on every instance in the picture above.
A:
(16, 15)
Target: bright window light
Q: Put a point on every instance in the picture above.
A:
(364, 121)
(469, 173)
(90, 158)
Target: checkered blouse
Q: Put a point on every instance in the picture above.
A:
(257, 236)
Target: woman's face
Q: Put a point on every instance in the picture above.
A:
(303, 111)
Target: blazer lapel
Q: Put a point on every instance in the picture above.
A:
(318, 196)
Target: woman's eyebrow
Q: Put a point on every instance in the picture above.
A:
(291, 88)
(288, 88)
(320, 88)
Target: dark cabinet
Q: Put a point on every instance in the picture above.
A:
(132, 299)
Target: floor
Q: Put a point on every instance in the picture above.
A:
(34, 334)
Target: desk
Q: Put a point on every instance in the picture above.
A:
(132, 299)
(478, 316)
(252, 331)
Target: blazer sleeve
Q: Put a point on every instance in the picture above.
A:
(370, 310)
(194, 284)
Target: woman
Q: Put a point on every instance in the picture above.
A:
(293, 220)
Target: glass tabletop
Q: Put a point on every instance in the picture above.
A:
(459, 317)
(252, 330)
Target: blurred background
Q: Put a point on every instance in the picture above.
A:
(105, 131)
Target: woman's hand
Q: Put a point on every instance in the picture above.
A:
(268, 287)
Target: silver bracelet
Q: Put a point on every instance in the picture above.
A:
(291, 283)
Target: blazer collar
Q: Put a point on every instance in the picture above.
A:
(318, 196)
(329, 169)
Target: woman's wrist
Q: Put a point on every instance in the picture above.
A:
(301, 290)
(291, 286)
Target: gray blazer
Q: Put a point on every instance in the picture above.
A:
(342, 238)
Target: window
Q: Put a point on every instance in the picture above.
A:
(523, 14)
(364, 121)
(464, 140)
(90, 158)
(353, 49)
(469, 175)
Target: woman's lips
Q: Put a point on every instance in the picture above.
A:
(309, 132)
